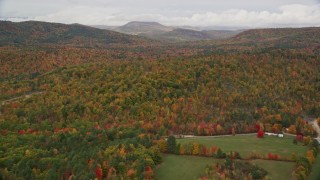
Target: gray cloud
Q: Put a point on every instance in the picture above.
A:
(240, 13)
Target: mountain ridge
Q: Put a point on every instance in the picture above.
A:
(39, 33)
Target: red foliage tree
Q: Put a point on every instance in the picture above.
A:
(98, 172)
(260, 134)
(22, 132)
(148, 174)
(299, 137)
(214, 149)
(273, 156)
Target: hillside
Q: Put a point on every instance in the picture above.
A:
(43, 33)
(280, 38)
(182, 35)
(266, 40)
(221, 34)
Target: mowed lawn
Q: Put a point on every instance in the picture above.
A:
(245, 144)
(276, 169)
(183, 167)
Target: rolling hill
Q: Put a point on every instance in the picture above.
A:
(182, 35)
(43, 33)
(261, 40)
(280, 37)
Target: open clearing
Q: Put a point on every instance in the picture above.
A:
(247, 144)
(276, 169)
(183, 167)
(192, 167)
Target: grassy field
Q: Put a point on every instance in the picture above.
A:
(191, 167)
(246, 144)
(276, 169)
(315, 174)
(183, 167)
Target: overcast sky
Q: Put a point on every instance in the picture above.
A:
(229, 13)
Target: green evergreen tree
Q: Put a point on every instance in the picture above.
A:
(171, 142)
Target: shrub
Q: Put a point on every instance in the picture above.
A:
(234, 155)
(220, 154)
(254, 155)
(295, 141)
(293, 157)
(306, 140)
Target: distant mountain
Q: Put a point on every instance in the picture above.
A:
(41, 33)
(157, 31)
(145, 28)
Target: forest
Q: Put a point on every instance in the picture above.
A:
(71, 112)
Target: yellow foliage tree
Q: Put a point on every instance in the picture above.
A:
(122, 152)
(310, 156)
(162, 145)
(278, 117)
(233, 131)
(181, 150)
(195, 150)
(220, 129)
(292, 129)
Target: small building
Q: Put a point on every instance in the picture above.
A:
(274, 134)
(270, 134)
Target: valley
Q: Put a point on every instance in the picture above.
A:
(79, 102)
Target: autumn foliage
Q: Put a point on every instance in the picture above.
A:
(273, 156)
(98, 172)
(68, 105)
(260, 134)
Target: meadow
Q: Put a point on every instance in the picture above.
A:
(183, 167)
(191, 167)
(247, 144)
